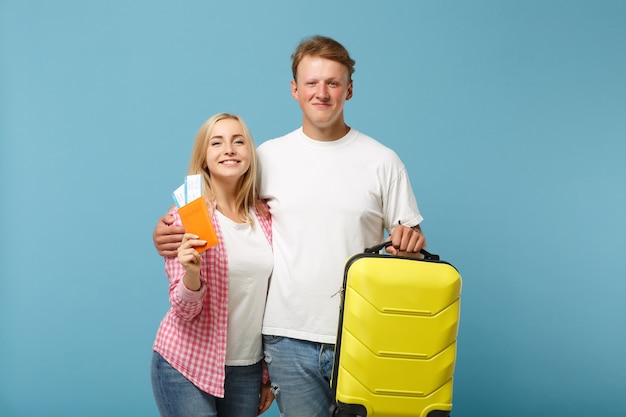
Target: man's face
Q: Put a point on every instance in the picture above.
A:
(322, 87)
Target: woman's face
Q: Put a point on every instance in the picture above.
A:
(228, 152)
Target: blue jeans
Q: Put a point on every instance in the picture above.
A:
(176, 396)
(300, 372)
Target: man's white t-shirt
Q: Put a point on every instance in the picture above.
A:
(329, 201)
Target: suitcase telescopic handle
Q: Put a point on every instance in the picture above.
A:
(427, 255)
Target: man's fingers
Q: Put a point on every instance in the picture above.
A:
(167, 239)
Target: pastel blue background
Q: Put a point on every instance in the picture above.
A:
(509, 115)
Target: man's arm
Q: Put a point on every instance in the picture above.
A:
(167, 238)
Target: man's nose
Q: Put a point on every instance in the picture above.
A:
(322, 91)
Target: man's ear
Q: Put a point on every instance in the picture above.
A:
(349, 94)
(294, 89)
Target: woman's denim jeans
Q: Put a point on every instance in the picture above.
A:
(176, 396)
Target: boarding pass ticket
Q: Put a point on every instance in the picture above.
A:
(189, 191)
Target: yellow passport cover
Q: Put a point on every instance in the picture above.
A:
(196, 219)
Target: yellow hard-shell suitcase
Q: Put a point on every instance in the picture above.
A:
(396, 341)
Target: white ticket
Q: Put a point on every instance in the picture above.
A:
(193, 187)
(179, 196)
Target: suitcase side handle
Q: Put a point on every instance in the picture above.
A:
(427, 255)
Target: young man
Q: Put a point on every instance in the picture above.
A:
(332, 191)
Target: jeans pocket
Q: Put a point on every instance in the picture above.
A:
(271, 339)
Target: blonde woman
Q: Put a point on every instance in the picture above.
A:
(208, 355)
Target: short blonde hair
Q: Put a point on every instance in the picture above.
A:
(324, 47)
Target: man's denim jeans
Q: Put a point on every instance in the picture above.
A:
(300, 372)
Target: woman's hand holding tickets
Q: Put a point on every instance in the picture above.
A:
(190, 260)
